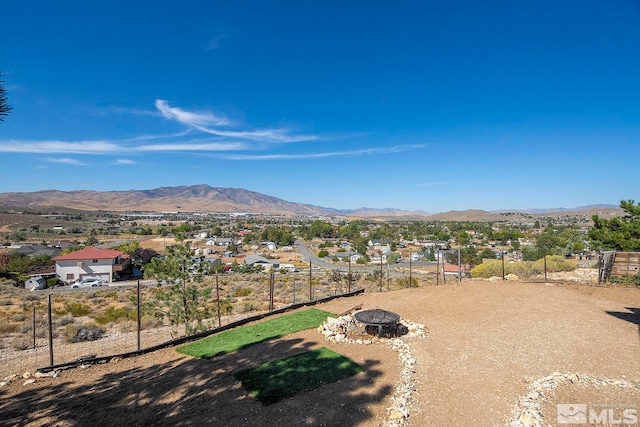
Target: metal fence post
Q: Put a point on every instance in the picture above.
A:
(34, 326)
(218, 298)
(310, 283)
(139, 314)
(50, 334)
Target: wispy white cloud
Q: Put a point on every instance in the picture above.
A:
(40, 147)
(383, 150)
(124, 162)
(66, 160)
(219, 135)
(198, 120)
(211, 146)
(157, 137)
(210, 123)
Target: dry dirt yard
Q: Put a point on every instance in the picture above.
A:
(495, 354)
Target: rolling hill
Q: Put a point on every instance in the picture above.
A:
(204, 198)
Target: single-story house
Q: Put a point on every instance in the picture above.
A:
(253, 260)
(32, 251)
(219, 241)
(348, 256)
(108, 265)
(380, 244)
(452, 269)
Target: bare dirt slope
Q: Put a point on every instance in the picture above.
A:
(488, 346)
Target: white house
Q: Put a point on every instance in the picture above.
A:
(219, 241)
(254, 260)
(105, 264)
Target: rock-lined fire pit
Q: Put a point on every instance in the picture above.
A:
(347, 328)
(378, 317)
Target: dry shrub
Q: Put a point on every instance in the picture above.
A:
(86, 332)
(18, 317)
(127, 326)
(242, 292)
(77, 309)
(150, 323)
(63, 321)
(8, 328)
(22, 342)
(111, 295)
(246, 307)
(115, 314)
(98, 300)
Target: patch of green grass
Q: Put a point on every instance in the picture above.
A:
(239, 338)
(279, 379)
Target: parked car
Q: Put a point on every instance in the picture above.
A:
(87, 283)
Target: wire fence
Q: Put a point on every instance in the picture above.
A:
(43, 339)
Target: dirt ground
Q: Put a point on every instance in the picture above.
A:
(492, 349)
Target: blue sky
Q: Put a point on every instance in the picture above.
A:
(419, 105)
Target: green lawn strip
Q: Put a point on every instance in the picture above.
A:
(242, 337)
(279, 379)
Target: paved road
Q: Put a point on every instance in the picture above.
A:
(149, 283)
(307, 255)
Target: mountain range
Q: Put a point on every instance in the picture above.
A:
(204, 198)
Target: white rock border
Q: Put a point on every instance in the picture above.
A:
(527, 413)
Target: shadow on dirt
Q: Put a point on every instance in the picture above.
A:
(633, 316)
(188, 391)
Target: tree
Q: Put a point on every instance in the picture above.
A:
(360, 245)
(393, 257)
(128, 247)
(5, 108)
(318, 229)
(487, 254)
(620, 233)
(92, 239)
(184, 301)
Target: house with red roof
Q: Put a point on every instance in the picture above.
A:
(108, 265)
(452, 269)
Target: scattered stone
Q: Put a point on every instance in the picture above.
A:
(29, 382)
(50, 374)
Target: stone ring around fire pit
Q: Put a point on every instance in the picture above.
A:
(377, 317)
